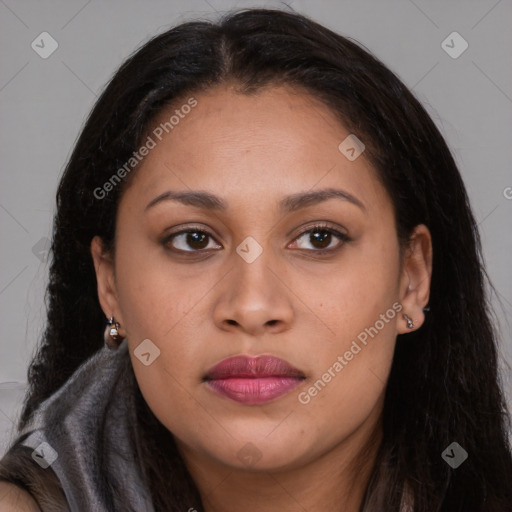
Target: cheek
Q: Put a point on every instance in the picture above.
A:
(347, 297)
(162, 306)
(351, 374)
(348, 386)
(171, 399)
(154, 295)
(359, 305)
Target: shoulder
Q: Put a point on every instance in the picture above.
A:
(15, 499)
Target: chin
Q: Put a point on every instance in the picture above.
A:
(259, 453)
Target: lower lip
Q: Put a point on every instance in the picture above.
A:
(254, 391)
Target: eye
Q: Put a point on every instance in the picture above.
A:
(190, 240)
(322, 238)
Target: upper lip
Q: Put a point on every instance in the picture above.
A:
(244, 366)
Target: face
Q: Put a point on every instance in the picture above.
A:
(307, 287)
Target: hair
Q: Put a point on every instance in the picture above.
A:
(444, 382)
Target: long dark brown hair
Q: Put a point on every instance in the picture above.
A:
(444, 383)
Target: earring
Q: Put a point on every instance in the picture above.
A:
(112, 337)
(410, 325)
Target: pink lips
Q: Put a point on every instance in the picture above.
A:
(253, 380)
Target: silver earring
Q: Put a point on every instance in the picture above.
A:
(410, 325)
(112, 337)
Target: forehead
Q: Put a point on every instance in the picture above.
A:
(265, 145)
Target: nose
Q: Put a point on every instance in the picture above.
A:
(253, 298)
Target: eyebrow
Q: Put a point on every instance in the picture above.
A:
(288, 204)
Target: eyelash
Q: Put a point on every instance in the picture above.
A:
(343, 237)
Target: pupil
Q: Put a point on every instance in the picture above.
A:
(192, 240)
(322, 238)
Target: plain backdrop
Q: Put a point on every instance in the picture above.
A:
(44, 101)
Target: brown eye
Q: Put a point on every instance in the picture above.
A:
(320, 238)
(190, 241)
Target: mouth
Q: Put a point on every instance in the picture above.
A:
(253, 380)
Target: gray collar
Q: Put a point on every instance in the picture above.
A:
(89, 426)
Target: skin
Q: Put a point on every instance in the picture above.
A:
(15, 499)
(200, 308)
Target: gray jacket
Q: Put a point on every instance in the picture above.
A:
(85, 432)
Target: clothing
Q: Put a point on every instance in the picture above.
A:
(89, 422)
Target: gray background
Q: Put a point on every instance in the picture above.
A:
(43, 103)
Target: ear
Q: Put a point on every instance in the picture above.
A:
(415, 279)
(107, 294)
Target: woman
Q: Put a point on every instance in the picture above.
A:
(282, 246)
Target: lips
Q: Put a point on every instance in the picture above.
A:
(253, 380)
